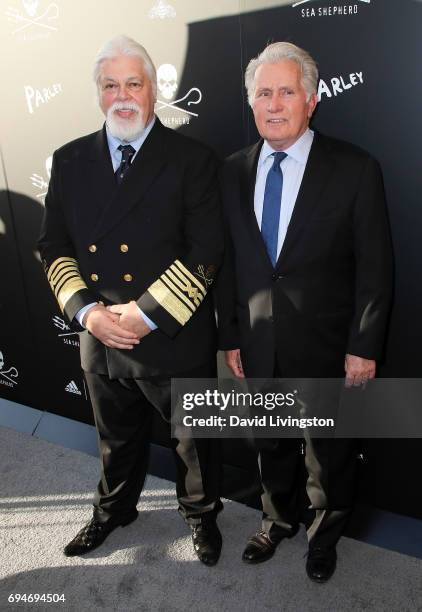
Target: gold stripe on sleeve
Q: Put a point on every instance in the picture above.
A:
(193, 292)
(186, 287)
(69, 290)
(190, 276)
(59, 263)
(174, 306)
(65, 279)
(60, 272)
(166, 280)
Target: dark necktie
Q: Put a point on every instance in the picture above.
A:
(127, 153)
(272, 204)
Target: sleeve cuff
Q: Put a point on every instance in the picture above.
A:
(147, 320)
(79, 316)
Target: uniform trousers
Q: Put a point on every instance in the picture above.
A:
(123, 411)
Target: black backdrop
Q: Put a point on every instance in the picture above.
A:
(379, 110)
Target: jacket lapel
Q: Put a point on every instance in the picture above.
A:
(145, 169)
(317, 171)
(247, 187)
(94, 176)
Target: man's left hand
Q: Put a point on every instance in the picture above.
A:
(358, 370)
(130, 318)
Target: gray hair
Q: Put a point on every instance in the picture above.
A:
(277, 52)
(123, 45)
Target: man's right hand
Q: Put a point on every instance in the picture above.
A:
(234, 363)
(104, 325)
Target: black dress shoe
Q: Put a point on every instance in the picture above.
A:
(259, 548)
(321, 564)
(93, 534)
(207, 542)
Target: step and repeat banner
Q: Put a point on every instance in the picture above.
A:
(368, 52)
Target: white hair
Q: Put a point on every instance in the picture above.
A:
(123, 45)
(278, 52)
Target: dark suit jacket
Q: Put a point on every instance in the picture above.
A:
(156, 239)
(329, 293)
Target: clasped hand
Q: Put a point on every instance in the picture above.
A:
(119, 326)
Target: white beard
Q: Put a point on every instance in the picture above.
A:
(125, 129)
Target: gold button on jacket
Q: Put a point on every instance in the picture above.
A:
(124, 248)
(94, 277)
(128, 278)
(92, 248)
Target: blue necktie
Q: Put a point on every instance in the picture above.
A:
(127, 153)
(272, 204)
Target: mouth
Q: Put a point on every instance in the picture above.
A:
(125, 113)
(276, 121)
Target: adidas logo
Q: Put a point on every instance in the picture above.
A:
(72, 388)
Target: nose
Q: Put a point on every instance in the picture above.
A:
(123, 93)
(275, 103)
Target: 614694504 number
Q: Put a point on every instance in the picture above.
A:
(36, 597)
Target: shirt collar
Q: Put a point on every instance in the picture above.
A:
(299, 150)
(114, 143)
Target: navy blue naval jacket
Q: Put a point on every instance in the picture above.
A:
(155, 239)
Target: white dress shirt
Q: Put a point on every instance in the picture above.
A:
(292, 167)
(114, 144)
(116, 158)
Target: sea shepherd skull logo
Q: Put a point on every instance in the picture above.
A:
(29, 21)
(10, 375)
(162, 10)
(167, 86)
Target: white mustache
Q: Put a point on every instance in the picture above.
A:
(125, 106)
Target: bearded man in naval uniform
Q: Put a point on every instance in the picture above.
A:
(131, 241)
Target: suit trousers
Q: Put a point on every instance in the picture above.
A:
(123, 411)
(330, 485)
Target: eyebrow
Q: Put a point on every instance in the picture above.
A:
(268, 88)
(138, 78)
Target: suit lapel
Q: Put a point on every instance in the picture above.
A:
(95, 175)
(317, 172)
(247, 186)
(145, 169)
